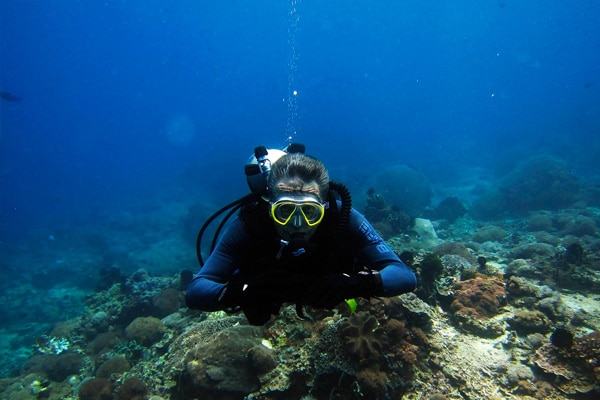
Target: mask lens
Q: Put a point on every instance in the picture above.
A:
(285, 211)
(311, 212)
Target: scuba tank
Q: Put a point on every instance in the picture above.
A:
(257, 171)
(258, 167)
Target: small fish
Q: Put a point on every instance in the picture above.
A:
(9, 96)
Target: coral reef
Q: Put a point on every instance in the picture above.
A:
(455, 248)
(103, 342)
(539, 221)
(132, 389)
(262, 359)
(56, 367)
(478, 298)
(96, 389)
(429, 271)
(539, 183)
(388, 220)
(580, 226)
(450, 209)
(525, 322)
(116, 365)
(490, 233)
(475, 302)
(146, 330)
(576, 366)
(167, 301)
(221, 366)
(453, 337)
(533, 250)
(362, 337)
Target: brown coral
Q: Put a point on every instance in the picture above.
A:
(475, 302)
(146, 330)
(57, 367)
(455, 248)
(478, 298)
(96, 389)
(373, 383)
(362, 338)
(167, 302)
(115, 365)
(132, 389)
(395, 331)
(577, 368)
(587, 351)
(221, 367)
(103, 343)
(517, 287)
(525, 322)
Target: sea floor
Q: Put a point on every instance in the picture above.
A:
(102, 312)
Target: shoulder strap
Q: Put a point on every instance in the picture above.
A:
(255, 217)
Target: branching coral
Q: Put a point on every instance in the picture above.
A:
(362, 338)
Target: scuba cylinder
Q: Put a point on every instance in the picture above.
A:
(258, 167)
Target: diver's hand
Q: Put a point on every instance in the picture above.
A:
(272, 286)
(331, 290)
(231, 294)
(259, 297)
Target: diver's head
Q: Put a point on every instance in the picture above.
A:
(297, 186)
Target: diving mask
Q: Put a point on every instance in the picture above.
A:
(286, 207)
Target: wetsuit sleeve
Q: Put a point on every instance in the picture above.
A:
(206, 287)
(375, 254)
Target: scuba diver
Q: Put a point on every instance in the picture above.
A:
(296, 239)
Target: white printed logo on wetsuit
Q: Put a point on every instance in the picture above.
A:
(368, 231)
(382, 248)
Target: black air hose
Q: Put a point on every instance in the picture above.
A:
(234, 205)
(344, 216)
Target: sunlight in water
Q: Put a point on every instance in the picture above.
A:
(180, 130)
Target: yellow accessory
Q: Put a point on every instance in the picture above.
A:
(284, 209)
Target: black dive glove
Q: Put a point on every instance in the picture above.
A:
(259, 297)
(331, 290)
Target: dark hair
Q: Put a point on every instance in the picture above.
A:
(301, 169)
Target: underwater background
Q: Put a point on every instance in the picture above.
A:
(468, 133)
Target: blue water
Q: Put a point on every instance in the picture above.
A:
(432, 84)
(122, 102)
